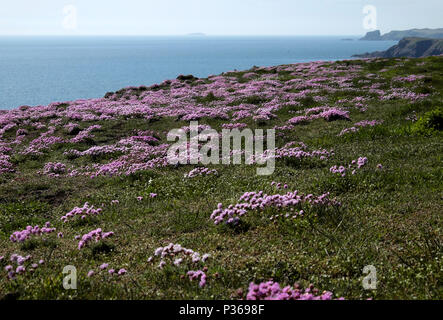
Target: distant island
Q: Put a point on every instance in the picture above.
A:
(409, 47)
(398, 35)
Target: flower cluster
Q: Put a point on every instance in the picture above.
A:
(23, 264)
(272, 291)
(141, 156)
(297, 151)
(105, 267)
(175, 254)
(5, 164)
(54, 169)
(96, 235)
(410, 78)
(85, 134)
(403, 94)
(354, 165)
(361, 124)
(231, 126)
(327, 113)
(285, 127)
(37, 146)
(84, 211)
(71, 127)
(96, 151)
(259, 201)
(197, 275)
(201, 171)
(23, 235)
(21, 132)
(250, 75)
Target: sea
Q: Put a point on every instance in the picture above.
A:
(40, 70)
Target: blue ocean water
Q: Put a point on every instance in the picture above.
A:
(40, 70)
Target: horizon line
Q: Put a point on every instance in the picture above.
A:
(195, 35)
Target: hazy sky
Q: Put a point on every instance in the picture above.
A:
(213, 17)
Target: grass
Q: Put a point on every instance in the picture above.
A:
(390, 218)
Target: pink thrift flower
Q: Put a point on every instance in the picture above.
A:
(20, 269)
(104, 266)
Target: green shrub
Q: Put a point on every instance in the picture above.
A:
(429, 123)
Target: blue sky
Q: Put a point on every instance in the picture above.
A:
(213, 17)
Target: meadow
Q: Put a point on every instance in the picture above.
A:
(358, 182)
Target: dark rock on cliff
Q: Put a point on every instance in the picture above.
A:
(186, 77)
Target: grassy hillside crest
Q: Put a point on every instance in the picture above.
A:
(359, 150)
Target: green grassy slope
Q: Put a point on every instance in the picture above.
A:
(390, 218)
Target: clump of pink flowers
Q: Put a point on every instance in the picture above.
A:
(23, 264)
(23, 235)
(272, 291)
(54, 169)
(334, 114)
(71, 127)
(410, 78)
(259, 201)
(297, 151)
(37, 146)
(231, 126)
(85, 134)
(354, 165)
(327, 113)
(104, 268)
(85, 211)
(95, 235)
(197, 275)
(361, 124)
(5, 165)
(175, 254)
(201, 171)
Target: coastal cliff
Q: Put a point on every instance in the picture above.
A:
(409, 47)
(398, 35)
